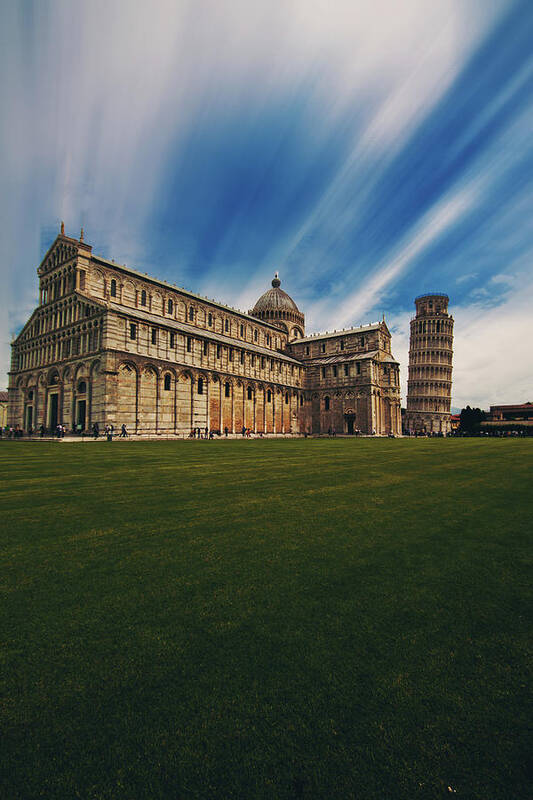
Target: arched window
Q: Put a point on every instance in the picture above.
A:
(143, 297)
(209, 319)
(286, 398)
(167, 382)
(242, 330)
(191, 314)
(113, 288)
(326, 403)
(82, 387)
(269, 396)
(250, 393)
(301, 399)
(255, 335)
(170, 306)
(226, 325)
(200, 385)
(226, 390)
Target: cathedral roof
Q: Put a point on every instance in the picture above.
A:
(276, 299)
(315, 337)
(342, 358)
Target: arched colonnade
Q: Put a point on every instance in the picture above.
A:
(166, 400)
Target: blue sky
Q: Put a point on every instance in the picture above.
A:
(368, 150)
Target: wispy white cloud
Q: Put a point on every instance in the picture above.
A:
(365, 300)
(492, 351)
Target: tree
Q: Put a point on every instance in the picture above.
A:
(470, 419)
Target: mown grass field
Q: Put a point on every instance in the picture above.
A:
(266, 619)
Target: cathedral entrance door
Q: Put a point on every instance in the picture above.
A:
(53, 403)
(80, 416)
(29, 418)
(350, 421)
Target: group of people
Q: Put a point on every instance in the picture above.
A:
(203, 433)
(206, 433)
(11, 433)
(109, 431)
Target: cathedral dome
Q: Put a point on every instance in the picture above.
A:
(275, 299)
(276, 307)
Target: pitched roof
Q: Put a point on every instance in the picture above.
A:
(342, 358)
(179, 289)
(315, 337)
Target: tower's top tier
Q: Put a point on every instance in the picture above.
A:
(431, 305)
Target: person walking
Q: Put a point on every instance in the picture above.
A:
(123, 432)
(226, 431)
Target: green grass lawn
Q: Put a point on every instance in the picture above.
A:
(266, 619)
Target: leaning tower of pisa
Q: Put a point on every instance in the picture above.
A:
(429, 386)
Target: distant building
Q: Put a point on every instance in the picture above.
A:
(522, 412)
(509, 416)
(110, 345)
(429, 385)
(3, 409)
(455, 421)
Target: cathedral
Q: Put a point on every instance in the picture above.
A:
(113, 346)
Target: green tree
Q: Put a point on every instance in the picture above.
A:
(470, 418)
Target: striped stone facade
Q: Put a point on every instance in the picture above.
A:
(430, 366)
(110, 345)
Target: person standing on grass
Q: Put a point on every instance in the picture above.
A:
(226, 431)
(96, 430)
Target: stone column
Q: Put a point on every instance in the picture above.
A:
(207, 409)
(220, 416)
(192, 402)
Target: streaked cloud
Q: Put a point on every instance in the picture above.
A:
(368, 152)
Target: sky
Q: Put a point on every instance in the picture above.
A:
(368, 150)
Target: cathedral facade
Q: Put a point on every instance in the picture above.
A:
(113, 346)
